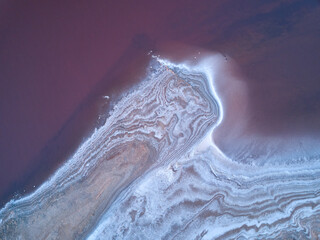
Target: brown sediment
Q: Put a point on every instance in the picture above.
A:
(70, 214)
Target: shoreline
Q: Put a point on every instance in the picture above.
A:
(91, 113)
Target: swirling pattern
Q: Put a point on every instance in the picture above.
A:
(211, 197)
(153, 172)
(155, 123)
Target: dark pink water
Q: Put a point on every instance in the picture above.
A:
(53, 55)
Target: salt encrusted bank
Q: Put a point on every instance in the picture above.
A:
(153, 171)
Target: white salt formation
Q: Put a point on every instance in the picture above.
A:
(153, 172)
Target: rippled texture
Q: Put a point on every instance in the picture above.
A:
(153, 172)
(206, 196)
(155, 123)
